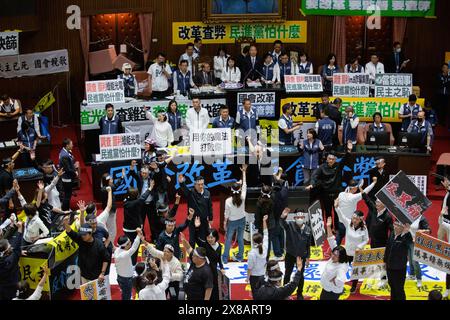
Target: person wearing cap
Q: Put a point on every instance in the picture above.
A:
(162, 132)
(349, 126)
(200, 200)
(356, 235)
(93, 258)
(176, 271)
(101, 233)
(198, 282)
(224, 120)
(110, 123)
(381, 175)
(124, 266)
(396, 258)
(257, 258)
(9, 263)
(234, 218)
(272, 289)
(298, 243)
(129, 81)
(172, 233)
(424, 128)
(160, 74)
(409, 112)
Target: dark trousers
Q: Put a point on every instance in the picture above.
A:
(173, 290)
(255, 284)
(67, 187)
(326, 295)
(290, 262)
(126, 287)
(276, 239)
(149, 212)
(132, 236)
(396, 280)
(327, 201)
(354, 282)
(8, 292)
(447, 282)
(201, 232)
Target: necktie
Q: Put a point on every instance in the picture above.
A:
(253, 62)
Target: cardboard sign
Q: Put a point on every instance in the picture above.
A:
(403, 199)
(419, 181)
(393, 85)
(351, 85)
(368, 263)
(303, 83)
(211, 142)
(9, 43)
(432, 252)
(105, 91)
(317, 224)
(117, 147)
(96, 290)
(262, 102)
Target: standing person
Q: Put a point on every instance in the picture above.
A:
(326, 129)
(444, 228)
(197, 46)
(381, 175)
(130, 84)
(334, 275)
(424, 128)
(329, 69)
(396, 257)
(251, 69)
(257, 258)
(160, 73)
(298, 244)
(34, 228)
(286, 126)
(32, 119)
(162, 132)
(286, 66)
(305, 66)
(234, 215)
(93, 258)
(9, 107)
(247, 121)
(174, 116)
(354, 66)
(190, 57)
(280, 196)
(200, 200)
(53, 183)
(443, 94)
(270, 71)
(419, 225)
(124, 265)
(197, 117)
(277, 50)
(374, 67)
(409, 112)
(231, 73)
(220, 63)
(9, 264)
(350, 126)
(110, 123)
(23, 287)
(155, 289)
(223, 120)
(198, 282)
(241, 60)
(27, 140)
(396, 61)
(69, 166)
(311, 148)
(356, 236)
(182, 80)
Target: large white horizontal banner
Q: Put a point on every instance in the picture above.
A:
(9, 43)
(34, 64)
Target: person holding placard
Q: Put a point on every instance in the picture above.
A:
(409, 112)
(286, 66)
(420, 225)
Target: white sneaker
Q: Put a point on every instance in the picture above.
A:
(278, 258)
(446, 293)
(419, 284)
(382, 284)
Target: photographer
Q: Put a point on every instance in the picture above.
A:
(160, 73)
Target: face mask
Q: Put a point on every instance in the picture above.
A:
(299, 222)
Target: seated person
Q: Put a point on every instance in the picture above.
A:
(354, 67)
(270, 70)
(223, 120)
(9, 107)
(422, 126)
(231, 73)
(251, 67)
(205, 77)
(377, 126)
(32, 120)
(182, 79)
(27, 139)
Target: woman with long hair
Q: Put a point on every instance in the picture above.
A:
(257, 258)
(328, 70)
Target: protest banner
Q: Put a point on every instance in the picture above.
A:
(288, 32)
(117, 147)
(385, 8)
(31, 270)
(303, 83)
(306, 108)
(211, 142)
(432, 252)
(262, 102)
(34, 64)
(105, 91)
(316, 221)
(45, 102)
(9, 43)
(351, 85)
(419, 181)
(64, 246)
(393, 85)
(368, 263)
(96, 290)
(403, 199)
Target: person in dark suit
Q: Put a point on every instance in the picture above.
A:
(381, 175)
(251, 69)
(205, 77)
(396, 61)
(396, 257)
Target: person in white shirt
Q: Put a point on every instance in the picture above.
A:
(197, 118)
(162, 131)
(176, 271)
(124, 266)
(24, 287)
(160, 73)
(235, 218)
(231, 73)
(9, 107)
(374, 67)
(257, 258)
(356, 236)
(334, 275)
(220, 63)
(155, 291)
(191, 57)
(35, 229)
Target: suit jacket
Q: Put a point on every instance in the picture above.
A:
(250, 72)
(202, 79)
(390, 65)
(382, 179)
(396, 254)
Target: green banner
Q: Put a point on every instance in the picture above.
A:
(386, 8)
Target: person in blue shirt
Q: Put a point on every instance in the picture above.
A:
(311, 148)
(247, 121)
(175, 121)
(270, 70)
(328, 70)
(349, 126)
(287, 126)
(422, 126)
(326, 129)
(110, 123)
(409, 111)
(223, 120)
(27, 138)
(286, 66)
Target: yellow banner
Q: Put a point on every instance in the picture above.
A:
(45, 102)
(64, 246)
(288, 32)
(305, 108)
(31, 270)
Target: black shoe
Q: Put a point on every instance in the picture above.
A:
(300, 297)
(353, 289)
